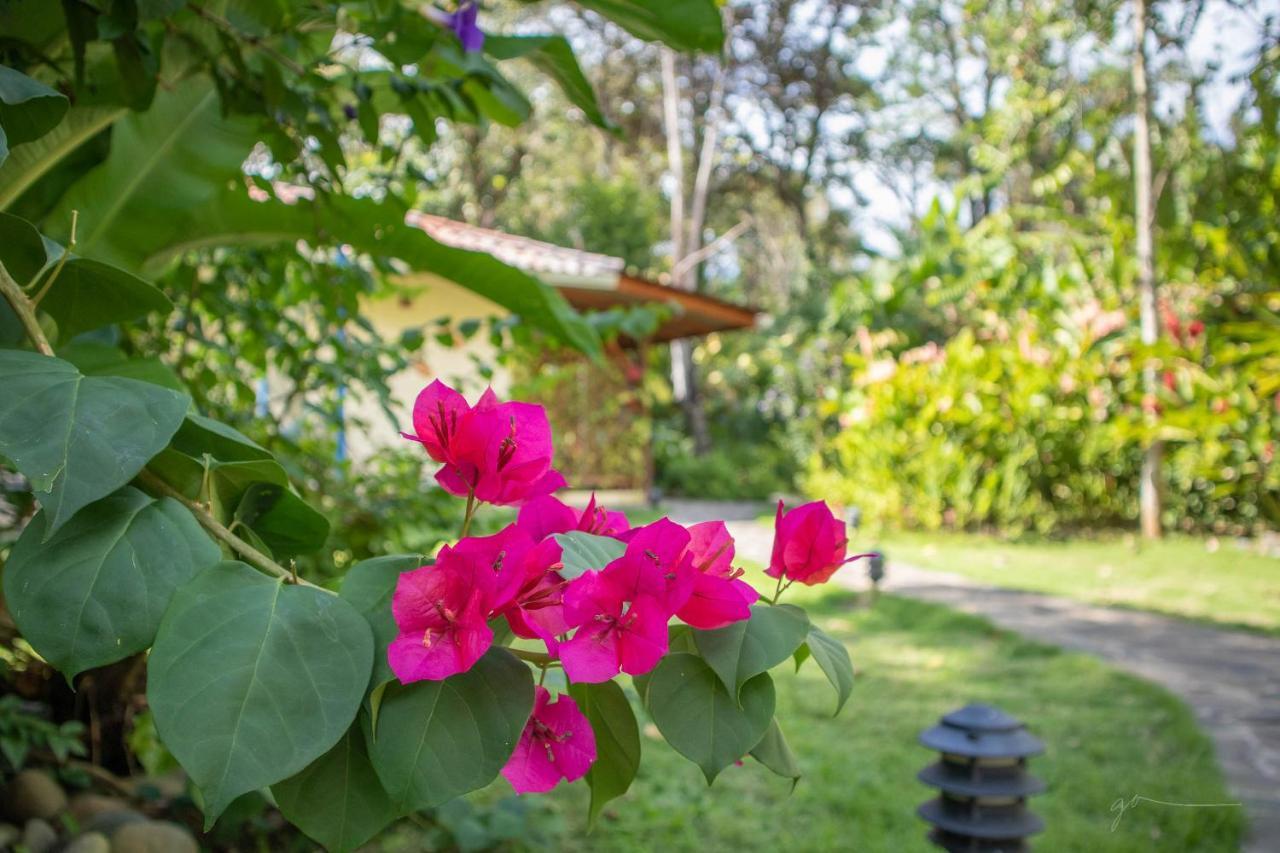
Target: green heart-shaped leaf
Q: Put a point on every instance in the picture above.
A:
(833, 660)
(337, 799)
(250, 679)
(369, 586)
(94, 593)
(283, 520)
(701, 719)
(586, 552)
(437, 740)
(90, 294)
(774, 752)
(617, 741)
(745, 649)
(28, 109)
(79, 438)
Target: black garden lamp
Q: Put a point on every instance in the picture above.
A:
(875, 569)
(982, 781)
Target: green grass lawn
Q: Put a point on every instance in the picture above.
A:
(1109, 736)
(1179, 576)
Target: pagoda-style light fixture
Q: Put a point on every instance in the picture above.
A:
(982, 781)
(875, 572)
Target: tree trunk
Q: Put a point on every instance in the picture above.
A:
(684, 373)
(1150, 484)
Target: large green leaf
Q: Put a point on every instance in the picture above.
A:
(700, 719)
(369, 586)
(34, 160)
(95, 591)
(683, 24)
(22, 249)
(251, 679)
(89, 294)
(586, 552)
(95, 359)
(554, 57)
(164, 164)
(373, 227)
(28, 109)
(774, 752)
(440, 739)
(78, 438)
(617, 741)
(745, 649)
(284, 522)
(243, 483)
(833, 660)
(86, 294)
(337, 799)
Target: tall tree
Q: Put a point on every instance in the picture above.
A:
(1149, 498)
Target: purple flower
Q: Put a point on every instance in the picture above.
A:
(463, 24)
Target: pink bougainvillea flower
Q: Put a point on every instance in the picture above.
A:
(622, 610)
(809, 544)
(616, 634)
(442, 625)
(499, 452)
(442, 610)
(537, 613)
(720, 596)
(656, 564)
(546, 515)
(557, 743)
(437, 414)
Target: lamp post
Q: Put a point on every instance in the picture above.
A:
(982, 779)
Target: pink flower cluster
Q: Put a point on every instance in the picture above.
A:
(596, 625)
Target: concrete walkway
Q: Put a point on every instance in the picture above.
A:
(1230, 679)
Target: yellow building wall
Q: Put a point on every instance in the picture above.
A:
(367, 426)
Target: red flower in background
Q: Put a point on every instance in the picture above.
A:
(809, 544)
(499, 452)
(557, 743)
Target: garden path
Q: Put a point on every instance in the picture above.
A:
(1230, 679)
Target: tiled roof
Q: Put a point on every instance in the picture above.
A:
(530, 255)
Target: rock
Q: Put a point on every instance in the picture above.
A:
(108, 822)
(38, 836)
(33, 794)
(153, 836)
(85, 807)
(89, 842)
(9, 835)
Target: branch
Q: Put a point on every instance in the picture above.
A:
(230, 29)
(675, 157)
(706, 161)
(211, 524)
(26, 311)
(690, 261)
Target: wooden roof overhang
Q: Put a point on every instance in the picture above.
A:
(693, 314)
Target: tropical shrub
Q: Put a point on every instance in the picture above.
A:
(169, 541)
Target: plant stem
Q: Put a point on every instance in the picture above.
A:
(66, 253)
(230, 29)
(26, 311)
(777, 591)
(211, 524)
(537, 658)
(471, 511)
